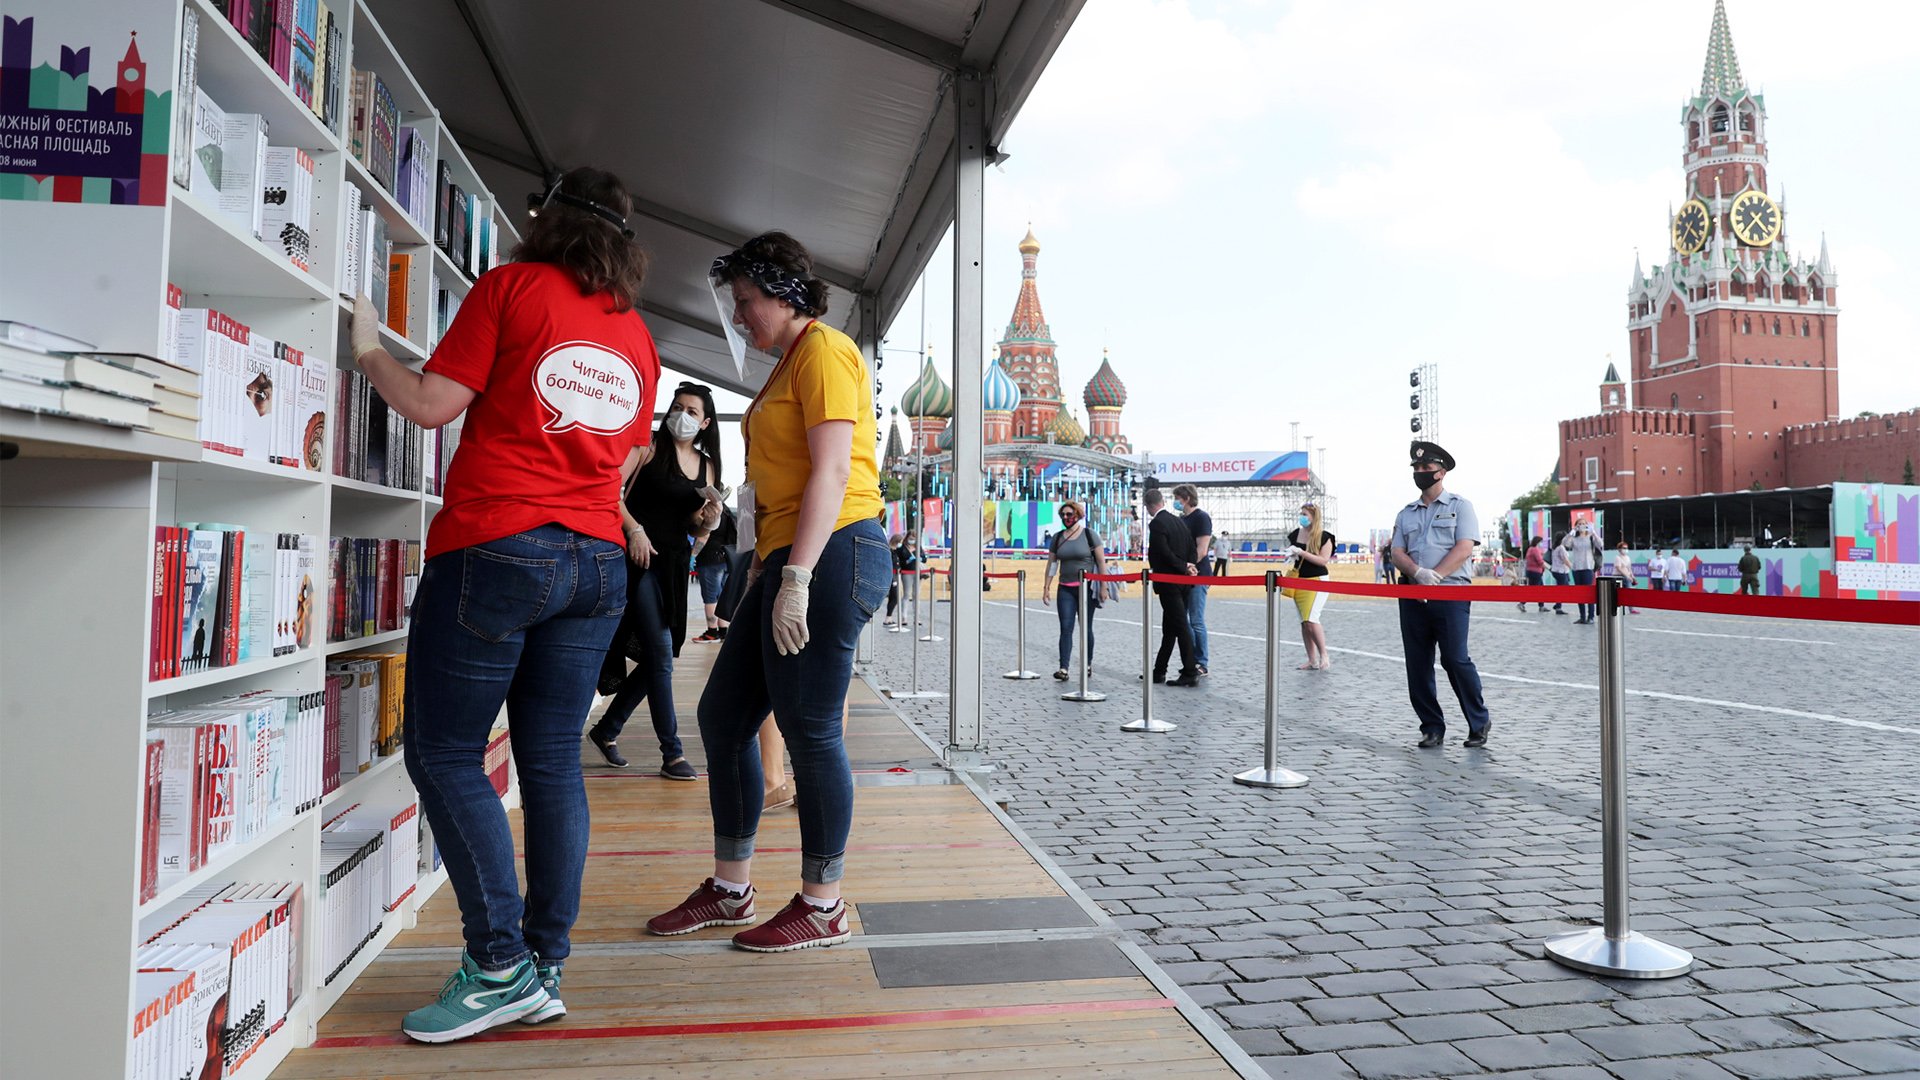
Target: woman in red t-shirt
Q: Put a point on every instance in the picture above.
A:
(525, 578)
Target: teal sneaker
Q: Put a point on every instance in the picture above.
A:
(470, 1003)
(554, 1009)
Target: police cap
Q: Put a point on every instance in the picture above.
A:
(1426, 452)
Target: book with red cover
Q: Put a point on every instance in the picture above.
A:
(150, 819)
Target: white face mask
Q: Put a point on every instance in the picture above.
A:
(683, 425)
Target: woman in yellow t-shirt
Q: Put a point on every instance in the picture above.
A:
(820, 569)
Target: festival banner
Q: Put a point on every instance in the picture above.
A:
(1237, 467)
(76, 126)
(1876, 541)
(933, 529)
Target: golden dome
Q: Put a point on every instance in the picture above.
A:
(1030, 246)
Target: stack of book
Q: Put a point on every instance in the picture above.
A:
(237, 945)
(399, 827)
(261, 399)
(463, 225)
(365, 252)
(372, 442)
(223, 595)
(372, 690)
(371, 582)
(352, 885)
(228, 771)
(46, 372)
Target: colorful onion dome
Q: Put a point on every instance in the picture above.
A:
(1065, 429)
(998, 391)
(929, 395)
(945, 441)
(1105, 390)
(1030, 246)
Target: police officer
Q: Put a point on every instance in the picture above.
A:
(1433, 541)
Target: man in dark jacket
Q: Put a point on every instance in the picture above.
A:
(1749, 573)
(1170, 550)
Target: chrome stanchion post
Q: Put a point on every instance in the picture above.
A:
(1086, 657)
(1020, 628)
(1271, 775)
(915, 692)
(1147, 723)
(1613, 948)
(933, 610)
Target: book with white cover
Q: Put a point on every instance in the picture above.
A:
(286, 197)
(243, 158)
(209, 150)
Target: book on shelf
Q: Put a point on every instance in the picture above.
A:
(310, 414)
(287, 204)
(255, 931)
(39, 339)
(351, 885)
(442, 203)
(336, 64)
(322, 60)
(280, 39)
(399, 845)
(172, 301)
(183, 97)
(208, 152)
(373, 443)
(254, 20)
(359, 711)
(223, 595)
(160, 1018)
(374, 254)
(151, 775)
(243, 161)
(206, 970)
(306, 50)
(399, 274)
(32, 395)
(351, 275)
(413, 180)
(100, 372)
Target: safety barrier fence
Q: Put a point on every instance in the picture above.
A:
(1613, 948)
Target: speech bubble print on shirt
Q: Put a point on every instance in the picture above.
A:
(587, 386)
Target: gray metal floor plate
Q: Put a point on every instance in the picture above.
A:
(992, 963)
(970, 916)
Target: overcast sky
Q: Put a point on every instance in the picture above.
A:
(1271, 211)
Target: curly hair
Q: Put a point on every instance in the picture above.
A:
(599, 255)
(786, 256)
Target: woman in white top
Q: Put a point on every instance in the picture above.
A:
(1623, 569)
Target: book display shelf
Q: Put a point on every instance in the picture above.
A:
(80, 506)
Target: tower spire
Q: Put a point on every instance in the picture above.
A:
(1721, 74)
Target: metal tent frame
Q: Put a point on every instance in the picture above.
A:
(864, 129)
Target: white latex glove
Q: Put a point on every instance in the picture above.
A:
(364, 332)
(1296, 551)
(1425, 576)
(790, 610)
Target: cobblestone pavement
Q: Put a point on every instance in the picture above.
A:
(1385, 921)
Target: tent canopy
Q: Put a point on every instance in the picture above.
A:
(833, 120)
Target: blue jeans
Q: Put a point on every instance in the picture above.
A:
(1067, 600)
(1561, 577)
(651, 680)
(1197, 619)
(713, 580)
(1423, 625)
(807, 694)
(525, 621)
(1584, 577)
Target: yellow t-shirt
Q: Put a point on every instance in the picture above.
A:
(823, 378)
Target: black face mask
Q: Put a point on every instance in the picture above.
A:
(1425, 480)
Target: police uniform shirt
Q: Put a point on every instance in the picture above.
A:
(1427, 532)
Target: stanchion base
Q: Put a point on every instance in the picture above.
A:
(1270, 778)
(898, 629)
(1635, 956)
(933, 637)
(1021, 675)
(968, 760)
(910, 695)
(1155, 727)
(1083, 695)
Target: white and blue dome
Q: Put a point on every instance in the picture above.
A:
(998, 391)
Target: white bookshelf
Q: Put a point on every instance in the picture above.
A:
(77, 513)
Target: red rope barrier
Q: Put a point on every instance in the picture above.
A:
(1008, 577)
(1814, 608)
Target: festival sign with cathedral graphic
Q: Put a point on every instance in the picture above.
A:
(77, 126)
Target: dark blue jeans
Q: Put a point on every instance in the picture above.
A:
(1584, 577)
(1067, 599)
(1197, 620)
(522, 621)
(651, 680)
(713, 581)
(1425, 624)
(807, 694)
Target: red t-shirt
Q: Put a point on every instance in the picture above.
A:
(565, 390)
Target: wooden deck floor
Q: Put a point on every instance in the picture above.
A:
(643, 1006)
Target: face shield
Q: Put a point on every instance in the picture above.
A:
(731, 319)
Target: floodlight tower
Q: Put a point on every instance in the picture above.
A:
(1424, 401)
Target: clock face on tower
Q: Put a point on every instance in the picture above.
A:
(1755, 218)
(1691, 226)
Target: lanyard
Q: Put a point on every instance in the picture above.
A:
(746, 419)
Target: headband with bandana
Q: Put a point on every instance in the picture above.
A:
(776, 282)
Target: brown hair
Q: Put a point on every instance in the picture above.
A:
(598, 253)
(1187, 492)
(785, 255)
(1074, 505)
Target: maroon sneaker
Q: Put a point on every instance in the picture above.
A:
(799, 925)
(709, 905)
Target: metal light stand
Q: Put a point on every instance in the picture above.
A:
(915, 693)
(1086, 648)
(1613, 948)
(1020, 632)
(1271, 775)
(1147, 723)
(933, 609)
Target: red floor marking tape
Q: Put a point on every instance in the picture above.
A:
(793, 850)
(741, 1027)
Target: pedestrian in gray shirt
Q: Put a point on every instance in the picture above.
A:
(1433, 541)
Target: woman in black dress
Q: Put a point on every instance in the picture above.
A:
(664, 503)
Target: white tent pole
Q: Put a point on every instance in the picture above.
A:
(965, 748)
